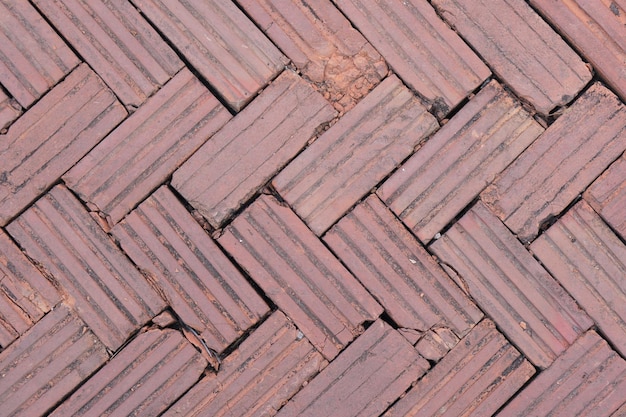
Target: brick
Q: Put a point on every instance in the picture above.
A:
(142, 153)
(300, 275)
(34, 57)
(269, 367)
(459, 161)
(621, 412)
(221, 43)
(47, 363)
(113, 38)
(475, 378)
(582, 253)
(588, 379)
(9, 111)
(145, 378)
(365, 379)
(428, 56)
(354, 155)
(201, 285)
(244, 155)
(607, 196)
(560, 164)
(108, 293)
(52, 136)
(520, 48)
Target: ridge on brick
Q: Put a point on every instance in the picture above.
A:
(269, 367)
(607, 195)
(106, 290)
(299, 274)
(520, 48)
(459, 161)
(9, 111)
(246, 153)
(475, 378)
(47, 363)
(145, 378)
(560, 164)
(429, 57)
(52, 136)
(369, 375)
(584, 255)
(113, 38)
(147, 147)
(356, 153)
(527, 304)
(220, 42)
(201, 285)
(33, 57)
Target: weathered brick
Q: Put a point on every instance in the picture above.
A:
(9, 111)
(607, 195)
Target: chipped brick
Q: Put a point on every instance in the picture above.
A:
(607, 195)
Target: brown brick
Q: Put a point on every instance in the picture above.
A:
(221, 43)
(520, 48)
(230, 168)
(52, 136)
(256, 379)
(590, 262)
(428, 56)
(456, 164)
(370, 374)
(588, 379)
(300, 275)
(351, 157)
(205, 290)
(9, 111)
(144, 150)
(475, 378)
(560, 164)
(109, 294)
(607, 195)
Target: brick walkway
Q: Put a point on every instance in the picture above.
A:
(313, 208)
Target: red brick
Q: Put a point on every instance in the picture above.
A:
(588, 379)
(370, 374)
(607, 195)
(47, 363)
(560, 164)
(621, 412)
(269, 367)
(230, 168)
(356, 153)
(205, 290)
(113, 38)
(456, 164)
(428, 56)
(520, 48)
(142, 153)
(9, 111)
(109, 294)
(590, 262)
(221, 43)
(475, 378)
(52, 136)
(300, 275)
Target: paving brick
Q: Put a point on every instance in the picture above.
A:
(459, 161)
(220, 42)
(47, 363)
(205, 290)
(621, 412)
(144, 150)
(607, 195)
(108, 293)
(589, 379)
(145, 378)
(300, 275)
(52, 136)
(230, 168)
(590, 262)
(428, 56)
(356, 153)
(364, 380)
(269, 367)
(33, 57)
(9, 111)
(113, 38)
(560, 164)
(520, 48)
(475, 378)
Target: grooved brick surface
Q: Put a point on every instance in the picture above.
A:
(9, 111)
(607, 195)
